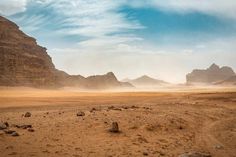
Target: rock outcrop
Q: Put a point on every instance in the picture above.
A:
(24, 63)
(230, 81)
(106, 81)
(146, 81)
(210, 76)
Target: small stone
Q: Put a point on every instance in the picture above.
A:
(30, 129)
(24, 126)
(15, 134)
(27, 114)
(79, 114)
(114, 127)
(93, 109)
(145, 153)
(7, 124)
(3, 126)
(9, 131)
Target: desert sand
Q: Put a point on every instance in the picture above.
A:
(152, 124)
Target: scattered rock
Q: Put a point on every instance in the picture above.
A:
(15, 134)
(93, 109)
(114, 127)
(7, 124)
(11, 132)
(30, 129)
(27, 114)
(145, 153)
(114, 108)
(125, 107)
(80, 113)
(23, 126)
(134, 107)
(3, 126)
(195, 154)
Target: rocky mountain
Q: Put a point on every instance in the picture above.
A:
(210, 76)
(24, 63)
(229, 81)
(146, 81)
(106, 81)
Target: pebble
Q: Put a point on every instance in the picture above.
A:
(27, 114)
(3, 126)
(114, 127)
(80, 114)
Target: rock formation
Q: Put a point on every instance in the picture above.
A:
(146, 81)
(229, 81)
(210, 76)
(24, 63)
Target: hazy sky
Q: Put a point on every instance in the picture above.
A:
(162, 38)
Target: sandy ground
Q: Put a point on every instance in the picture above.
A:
(151, 123)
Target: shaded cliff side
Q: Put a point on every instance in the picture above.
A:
(210, 75)
(24, 63)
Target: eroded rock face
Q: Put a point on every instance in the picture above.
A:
(211, 75)
(22, 61)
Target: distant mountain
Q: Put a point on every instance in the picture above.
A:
(146, 81)
(209, 76)
(229, 81)
(24, 63)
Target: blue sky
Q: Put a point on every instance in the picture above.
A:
(160, 38)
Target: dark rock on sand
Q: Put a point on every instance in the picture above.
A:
(145, 153)
(114, 127)
(23, 126)
(27, 114)
(7, 124)
(15, 134)
(30, 129)
(79, 114)
(3, 126)
(11, 132)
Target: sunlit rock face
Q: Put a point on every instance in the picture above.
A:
(22, 61)
(211, 75)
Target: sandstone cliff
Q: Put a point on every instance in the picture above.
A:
(24, 63)
(211, 75)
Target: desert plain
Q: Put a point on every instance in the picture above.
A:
(164, 123)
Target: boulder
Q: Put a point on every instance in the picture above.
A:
(114, 127)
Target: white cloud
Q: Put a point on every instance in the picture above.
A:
(222, 8)
(9, 7)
